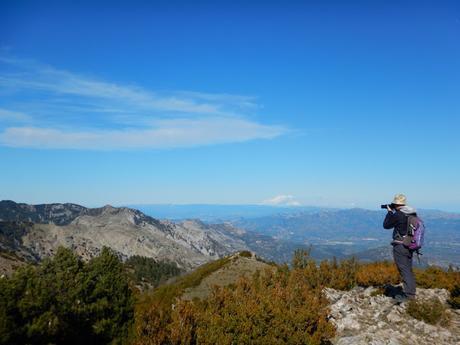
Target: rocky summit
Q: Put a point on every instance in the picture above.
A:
(362, 318)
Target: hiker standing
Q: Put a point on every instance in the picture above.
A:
(397, 219)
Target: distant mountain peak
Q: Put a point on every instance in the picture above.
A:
(108, 207)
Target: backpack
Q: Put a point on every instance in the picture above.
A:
(413, 240)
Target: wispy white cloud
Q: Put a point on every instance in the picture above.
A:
(72, 111)
(64, 83)
(238, 100)
(167, 134)
(13, 116)
(282, 200)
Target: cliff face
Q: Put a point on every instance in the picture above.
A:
(35, 231)
(59, 214)
(362, 318)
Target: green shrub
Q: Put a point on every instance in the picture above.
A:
(246, 254)
(454, 299)
(430, 311)
(148, 270)
(65, 301)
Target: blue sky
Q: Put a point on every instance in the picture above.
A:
(315, 103)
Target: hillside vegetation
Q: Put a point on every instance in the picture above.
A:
(282, 305)
(148, 272)
(65, 300)
(9, 262)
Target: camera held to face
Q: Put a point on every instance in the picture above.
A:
(392, 206)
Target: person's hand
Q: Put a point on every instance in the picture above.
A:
(389, 209)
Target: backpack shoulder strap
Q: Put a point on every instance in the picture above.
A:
(412, 223)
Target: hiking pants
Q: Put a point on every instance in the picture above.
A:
(403, 260)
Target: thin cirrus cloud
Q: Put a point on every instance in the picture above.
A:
(44, 107)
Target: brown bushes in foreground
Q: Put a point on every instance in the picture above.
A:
(377, 274)
(283, 305)
(275, 307)
(435, 277)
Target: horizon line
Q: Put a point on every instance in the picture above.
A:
(299, 207)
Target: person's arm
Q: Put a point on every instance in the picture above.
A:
(390, 220)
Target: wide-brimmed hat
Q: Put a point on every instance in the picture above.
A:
(399, 199)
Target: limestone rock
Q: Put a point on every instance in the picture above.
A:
(363, 319)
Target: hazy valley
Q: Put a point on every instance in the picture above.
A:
(330, 232)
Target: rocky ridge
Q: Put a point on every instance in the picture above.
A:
(237, 267)
(35, 231)
(362, 318)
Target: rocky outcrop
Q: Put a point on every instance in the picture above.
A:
(363, 318)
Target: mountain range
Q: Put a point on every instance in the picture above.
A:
(32, 232)
(35, 231)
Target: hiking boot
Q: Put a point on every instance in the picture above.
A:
(401, 298)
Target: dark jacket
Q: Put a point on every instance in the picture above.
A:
(398, 221)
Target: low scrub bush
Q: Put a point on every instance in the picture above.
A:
(246, 254)
(431, 311)
(337, 275)
(436, 277)
(154, 310)
(377, 274)
(275, 307)
(454, 299)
